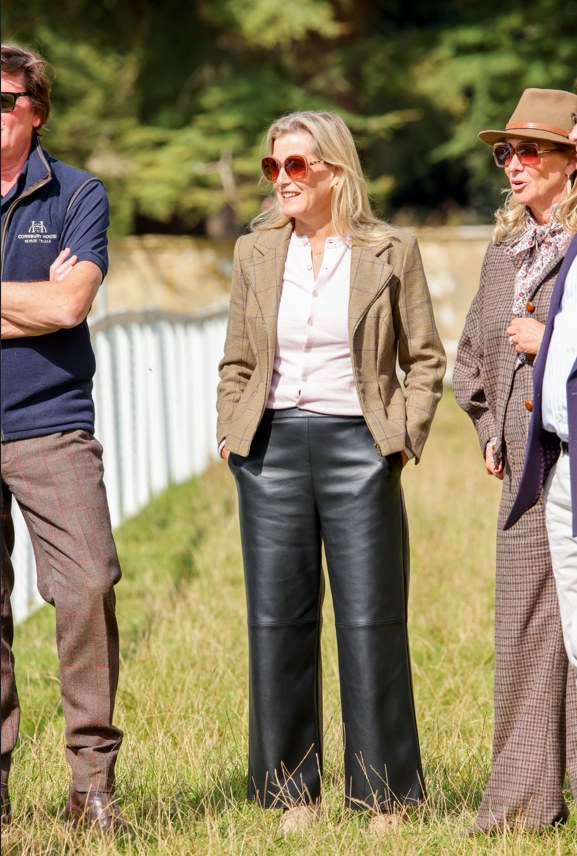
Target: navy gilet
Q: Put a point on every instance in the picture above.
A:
(46, 381)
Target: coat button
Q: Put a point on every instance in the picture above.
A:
(529, 306)
(529, 406)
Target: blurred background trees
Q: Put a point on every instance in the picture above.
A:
(168, 100)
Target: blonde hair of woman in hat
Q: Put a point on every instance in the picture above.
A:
(535, 704)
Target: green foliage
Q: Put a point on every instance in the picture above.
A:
(477, 72)
(168, 102)
(273, 24)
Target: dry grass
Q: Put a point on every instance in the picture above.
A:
(182, 701)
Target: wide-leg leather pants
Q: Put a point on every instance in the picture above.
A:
(312, 479)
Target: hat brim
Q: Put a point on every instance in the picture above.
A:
(492, 137)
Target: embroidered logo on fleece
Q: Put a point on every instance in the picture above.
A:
(37, 234)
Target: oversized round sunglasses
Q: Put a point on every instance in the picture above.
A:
(9, 100)
(528, 153)
(295, 166)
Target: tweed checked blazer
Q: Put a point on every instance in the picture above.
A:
(390, 318)
(486, 361)
(543, 447)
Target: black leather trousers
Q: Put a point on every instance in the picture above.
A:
(312, 479)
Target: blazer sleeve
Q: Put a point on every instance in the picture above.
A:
(238, 363)
(468, 374)
(420, 352)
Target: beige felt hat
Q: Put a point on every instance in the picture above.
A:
(541, 114)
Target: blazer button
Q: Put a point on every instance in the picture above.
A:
(529, 406)
(529, 306)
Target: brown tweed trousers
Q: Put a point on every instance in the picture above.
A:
(390, 317)
(57, 482)
(535, 736)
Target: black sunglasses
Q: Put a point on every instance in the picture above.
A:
(528, 153)
(574, 118)
(295, 166)
(9, 100)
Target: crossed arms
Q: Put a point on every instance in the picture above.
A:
(63, 301)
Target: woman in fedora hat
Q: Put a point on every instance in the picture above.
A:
(535, 735)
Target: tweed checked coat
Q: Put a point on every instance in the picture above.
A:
(390, 317)
(535, 701)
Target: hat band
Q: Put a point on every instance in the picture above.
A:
(534, 126)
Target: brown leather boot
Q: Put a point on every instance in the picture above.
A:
(96, 809)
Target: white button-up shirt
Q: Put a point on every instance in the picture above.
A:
(561, 356)
(312, 366)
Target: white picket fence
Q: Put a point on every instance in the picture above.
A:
(155, 398)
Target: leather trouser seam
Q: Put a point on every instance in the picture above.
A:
(371, 623)
(284, 623)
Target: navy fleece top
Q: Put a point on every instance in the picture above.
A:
(47, 380)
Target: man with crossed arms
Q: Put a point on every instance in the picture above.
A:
(54, 257)
(551, 453)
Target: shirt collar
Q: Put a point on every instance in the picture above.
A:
(333, 241)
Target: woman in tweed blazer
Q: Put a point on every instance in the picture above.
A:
(316, 427)
(535, 735)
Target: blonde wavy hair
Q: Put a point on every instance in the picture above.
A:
(333, 143)
(512, 217)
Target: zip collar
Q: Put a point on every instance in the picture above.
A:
(38, 174)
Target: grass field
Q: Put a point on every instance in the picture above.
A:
(183, 703)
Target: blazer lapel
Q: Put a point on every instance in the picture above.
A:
(369, 277)
(544, 274)
(266, 276)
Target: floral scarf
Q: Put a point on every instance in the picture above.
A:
(532, 253)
